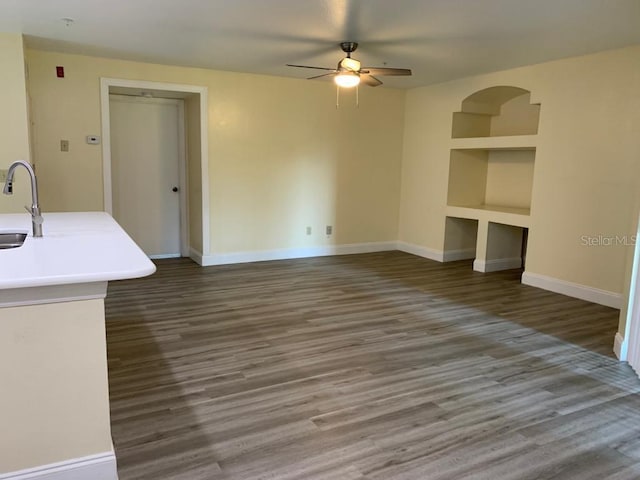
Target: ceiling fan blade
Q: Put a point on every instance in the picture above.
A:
(369, 80)
(385, 71)
(323, 75)
(315, 68)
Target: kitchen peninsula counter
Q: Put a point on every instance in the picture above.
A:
(54, 407)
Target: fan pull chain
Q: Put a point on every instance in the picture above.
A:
(338, 97)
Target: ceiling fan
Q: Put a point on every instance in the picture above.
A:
(350, 72)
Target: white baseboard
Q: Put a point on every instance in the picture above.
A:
(196, 256)
(289, 253)
(620, 347)
(101, 466)
(462, 254)
(576, 290)
(165, 255)
(425, 252)
(348, 249)
(496, 265)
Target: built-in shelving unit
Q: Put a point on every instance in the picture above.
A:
(491, 171)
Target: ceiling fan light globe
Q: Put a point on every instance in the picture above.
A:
(347, 79)
(350, 64)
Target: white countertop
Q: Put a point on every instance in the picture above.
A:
(75, 248)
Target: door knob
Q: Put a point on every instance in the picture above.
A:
(174, 189)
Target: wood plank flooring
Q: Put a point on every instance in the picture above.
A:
(376, 366)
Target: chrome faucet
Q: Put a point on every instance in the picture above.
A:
(36, 216)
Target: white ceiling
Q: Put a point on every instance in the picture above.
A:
(439, 39)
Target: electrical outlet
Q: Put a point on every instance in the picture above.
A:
(329, 230)
(308, 230)
(3, 175)
(64, 145)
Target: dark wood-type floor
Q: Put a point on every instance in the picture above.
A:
(376, 366)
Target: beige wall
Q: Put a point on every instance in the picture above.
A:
(587, 164)
(281, 156)
(53, 373)
(14, 126)
(509, 178)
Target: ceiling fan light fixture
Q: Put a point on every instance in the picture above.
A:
(349, 63)
(349, 71)
(347, 79)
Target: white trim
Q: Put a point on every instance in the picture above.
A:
(497, 264)
(105, 118)
(202, 92)
(630, 346)
(182, 181)
(620, 347)
(101, 466)
(425, 252)
(204, 168)
(462, 254)
(576, 290)
(196, 256)
(289, 253)
(165, 255)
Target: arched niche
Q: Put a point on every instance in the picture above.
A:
(495, 112)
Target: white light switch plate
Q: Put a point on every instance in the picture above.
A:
(93, 139)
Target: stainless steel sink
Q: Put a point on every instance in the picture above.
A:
(11, 240)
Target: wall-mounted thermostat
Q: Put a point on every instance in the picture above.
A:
(93, 140)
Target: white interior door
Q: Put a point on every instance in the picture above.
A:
(145, 171)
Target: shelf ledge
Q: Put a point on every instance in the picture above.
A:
(513, 142)
(518, 217)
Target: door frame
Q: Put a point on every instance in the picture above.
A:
(182, 164)
(630, 348)
(185, 90)
(627, 343)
